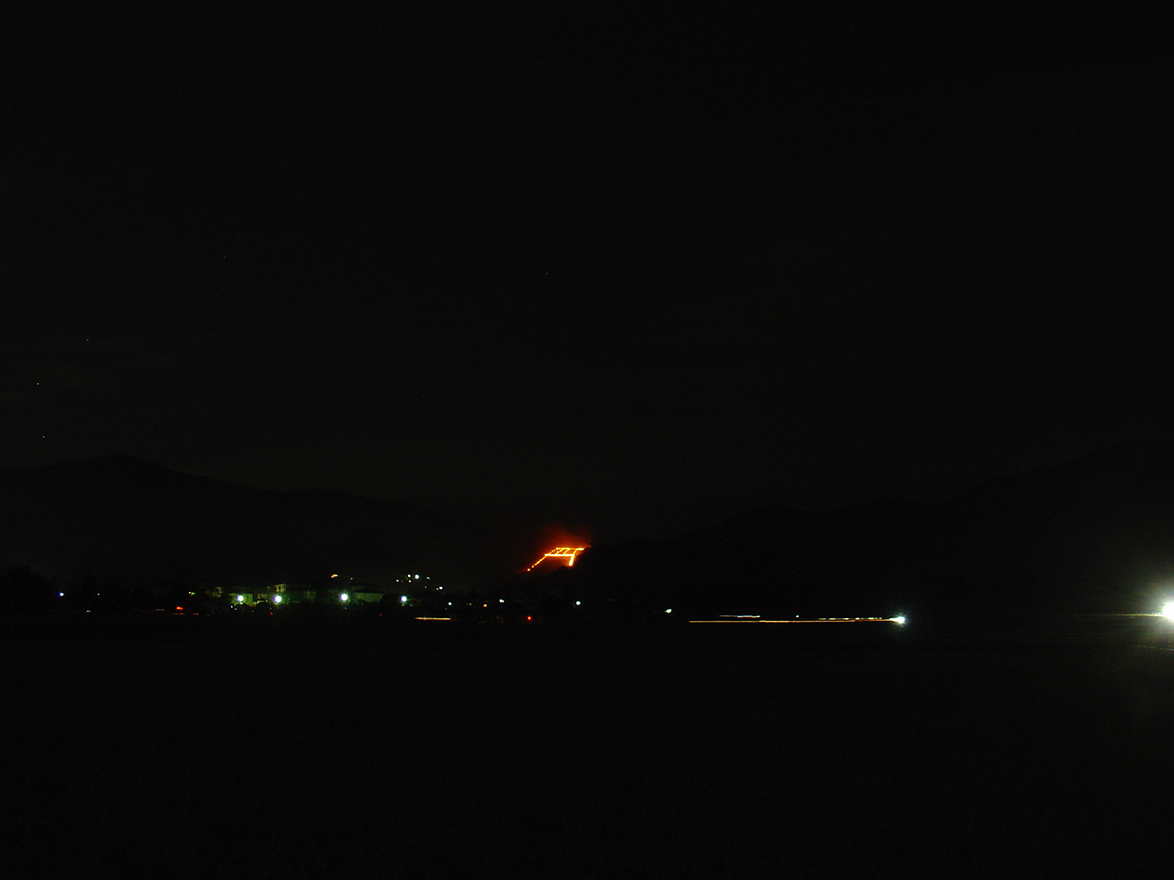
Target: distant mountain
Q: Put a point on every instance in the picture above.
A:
(1093, 535)
(1096, 534)
(123, 519)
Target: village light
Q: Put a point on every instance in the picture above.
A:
(403, 600)
(343, 597)
(1168, 611)
(277, 599)
(239, 598)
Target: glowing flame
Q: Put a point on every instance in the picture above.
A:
(567, 553)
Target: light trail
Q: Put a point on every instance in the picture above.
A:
(1110, 614)
(899, 620)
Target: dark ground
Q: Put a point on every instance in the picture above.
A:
(169, 748)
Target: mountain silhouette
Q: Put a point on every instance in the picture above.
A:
(1088, 536)
(122, 519)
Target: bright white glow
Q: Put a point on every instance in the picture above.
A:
(899, 620)
(577, 602)
(277, 600)
(343, 597)
(668, 611)
(403, 600)
(59, 595)
(1168, 610)
(239, 598)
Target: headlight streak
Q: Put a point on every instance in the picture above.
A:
(741, 618)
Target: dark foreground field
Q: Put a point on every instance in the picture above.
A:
(177, 751)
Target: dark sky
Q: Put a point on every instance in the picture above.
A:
(631, 273)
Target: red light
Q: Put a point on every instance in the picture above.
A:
(528, 617)
(179, 608)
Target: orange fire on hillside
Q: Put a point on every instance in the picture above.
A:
(567, 553)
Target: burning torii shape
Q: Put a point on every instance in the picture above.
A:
(567, 553)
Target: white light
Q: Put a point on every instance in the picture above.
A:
(343, 597)
(59, 595)
(403, 600)
(899, 620)
(501, 601)
(240, 598)
(577, 602)
(668, 611)
(277, 600)
(1168, 610)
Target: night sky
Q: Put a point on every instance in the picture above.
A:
(630, 273)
